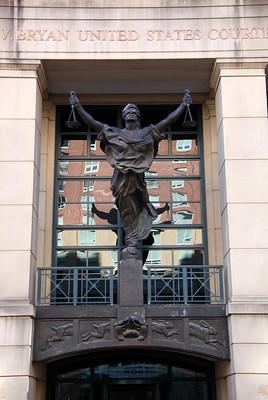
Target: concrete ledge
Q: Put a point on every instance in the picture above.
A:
(17, 310)
(247, 308)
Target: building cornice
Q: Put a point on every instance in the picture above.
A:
(236, 67)
(25, 69)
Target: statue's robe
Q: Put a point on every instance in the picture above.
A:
(131, 154)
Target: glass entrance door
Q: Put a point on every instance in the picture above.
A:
(132, 392)
(132, 379)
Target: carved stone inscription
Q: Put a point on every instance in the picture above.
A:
(133, 35)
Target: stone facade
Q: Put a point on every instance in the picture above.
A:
(110, 51)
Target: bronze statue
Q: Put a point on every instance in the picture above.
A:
(130, 151)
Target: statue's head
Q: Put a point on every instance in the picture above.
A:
(131, 116)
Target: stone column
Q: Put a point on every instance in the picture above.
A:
(212, 184)
(242, 131)
(21, 85)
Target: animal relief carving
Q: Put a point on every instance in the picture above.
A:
(61, 332)
(204, 333)
(98, 331)
(165, 328)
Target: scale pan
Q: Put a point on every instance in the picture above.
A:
(189, 124)
(73, 124)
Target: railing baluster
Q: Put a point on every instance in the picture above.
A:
(75, 285)
(39, 276)
(185, 285)
(149, 277)
(111, 287)
(220, 273)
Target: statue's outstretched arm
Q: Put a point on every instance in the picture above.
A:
(86, 117)
(172, 117)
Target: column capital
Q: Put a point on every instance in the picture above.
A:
(236, 67)
(210, 104)
(25, 69)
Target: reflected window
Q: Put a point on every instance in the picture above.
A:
(91, 166)
(178, 184)
(184, 145)
(154, 199)
(65, 142)
(62, 202)
(93, 144)
(89, 185)
(179, 199)
(154, 256)
(151, 183)
(184, 236)
(87, 238)
(64, 167)
(87, 222)
(183, 217)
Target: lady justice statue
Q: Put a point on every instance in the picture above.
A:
(130, 151)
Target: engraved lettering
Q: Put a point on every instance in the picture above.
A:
(213, 34)
(265, 33)
(238, 33)
(82, 35)
(188, 35)
(246, 33)
(63, 35)
(133, 35)
(95, 35)
(150, 36)
(176, 34)
(5, 34)
(20, 35)
(197, 34)
(51, 36)
(122, 36)
(224, 34)
(42, 35)
(107, 35)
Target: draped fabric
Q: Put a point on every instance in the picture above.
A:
(131, 154)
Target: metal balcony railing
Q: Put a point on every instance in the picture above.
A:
(75, 285)
(185, 284)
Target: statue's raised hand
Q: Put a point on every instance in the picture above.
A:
(187, 98)
(73, 99)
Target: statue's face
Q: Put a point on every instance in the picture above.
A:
(131, 121)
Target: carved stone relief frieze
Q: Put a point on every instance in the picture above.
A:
(203, 333)
(166, 329)
(130, 328)
(95, 331)
(58, 335)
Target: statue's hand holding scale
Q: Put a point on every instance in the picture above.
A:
(131, 151)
